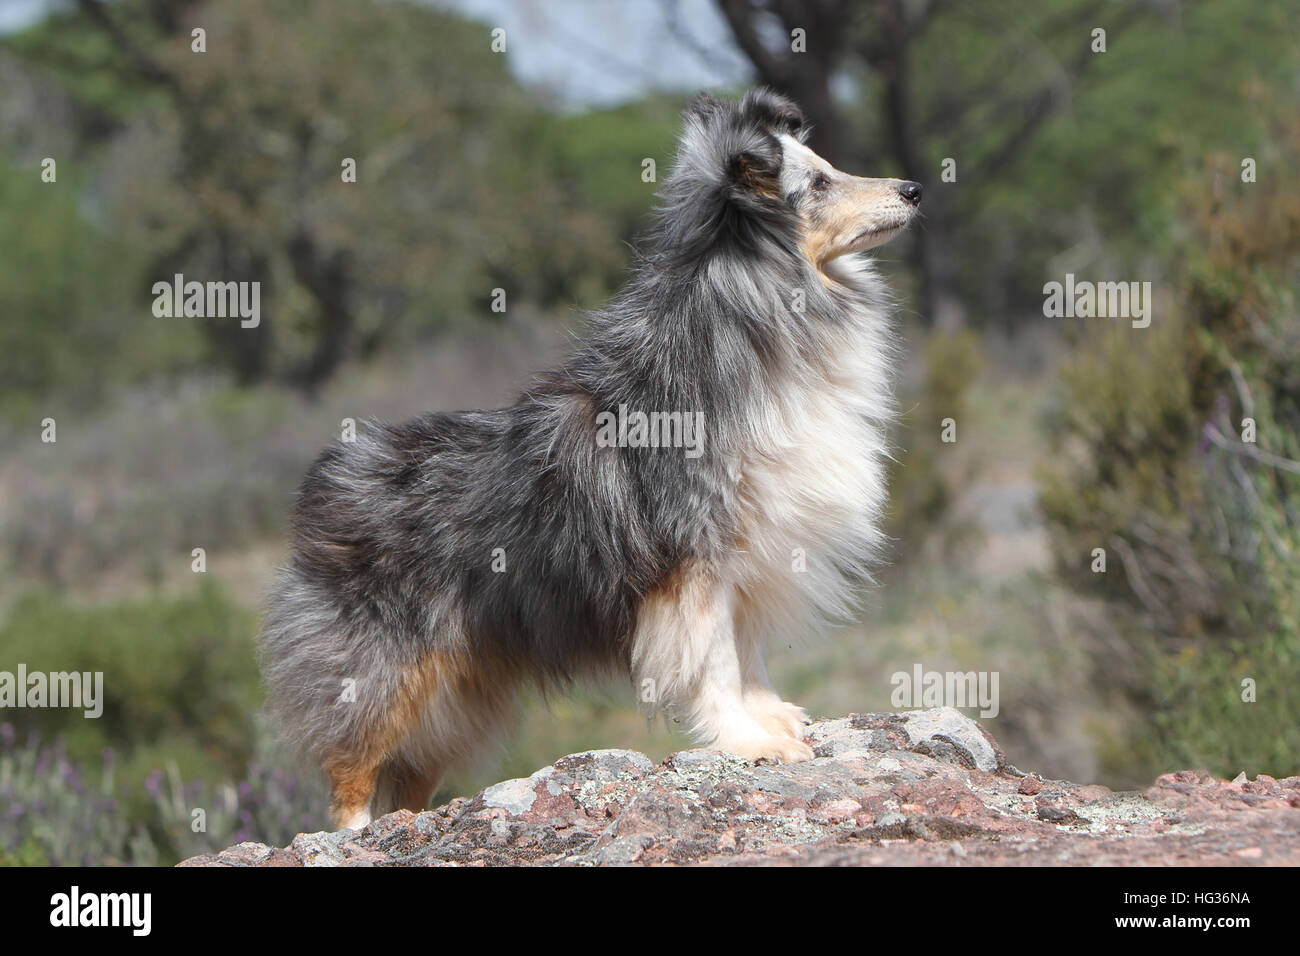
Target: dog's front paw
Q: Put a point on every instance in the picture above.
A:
(779, 717)
(781, 749)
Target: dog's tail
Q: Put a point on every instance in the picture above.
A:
(330, 695)
(329, 684)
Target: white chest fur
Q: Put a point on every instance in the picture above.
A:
(813, 486)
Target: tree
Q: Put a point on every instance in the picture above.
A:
(986, 109)
(237, 166)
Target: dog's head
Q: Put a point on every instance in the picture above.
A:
(747, 162)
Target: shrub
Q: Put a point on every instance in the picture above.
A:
(54, 811)
(1156, 464)
(180, 681)
(265, 804)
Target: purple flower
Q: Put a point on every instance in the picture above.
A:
(71, 776)
(153, 783)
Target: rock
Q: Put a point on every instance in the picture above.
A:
(930, 729)
(1030, 785)
(926, 787)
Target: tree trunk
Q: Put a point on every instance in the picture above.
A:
(940, 304)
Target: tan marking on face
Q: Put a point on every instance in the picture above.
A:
(851, 214)
(855, 215)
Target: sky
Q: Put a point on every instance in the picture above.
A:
(579, 53)
(16, 14)
(599, 52)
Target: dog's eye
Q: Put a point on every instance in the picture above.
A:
(821, 182)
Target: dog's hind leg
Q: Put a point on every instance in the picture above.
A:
(360, 776)
(417, 789)
(466, 704)
(352, 786)
(684, 653)
(402, 786)
(369, 764)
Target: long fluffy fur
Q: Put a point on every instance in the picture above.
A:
(392, 648)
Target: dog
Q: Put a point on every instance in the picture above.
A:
(702, 476)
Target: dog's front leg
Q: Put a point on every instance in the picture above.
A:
(761, 699)
(685, 661)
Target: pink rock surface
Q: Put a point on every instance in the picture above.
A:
(921, 788)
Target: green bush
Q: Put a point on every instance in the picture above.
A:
(61, 295)
(180, 681)
(1201, 525)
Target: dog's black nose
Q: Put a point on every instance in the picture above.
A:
(911, 192)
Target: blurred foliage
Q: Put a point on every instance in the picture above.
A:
(598, 155)
(53, 814)
(55, 811)
(179, 679)
(232, 169)
(226, 165)
(1202, 526)
(61, 295)
(110, 495)
(266, 804)
(1087, 189)
(921, 491)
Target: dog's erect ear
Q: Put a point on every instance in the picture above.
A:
(773, 112)
(728, 171)
(734, 141)
(764, 115)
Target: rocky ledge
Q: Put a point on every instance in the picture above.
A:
(927, 787)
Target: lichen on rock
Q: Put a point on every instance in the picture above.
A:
(923, 787)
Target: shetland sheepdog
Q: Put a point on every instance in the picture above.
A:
(703, 475)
